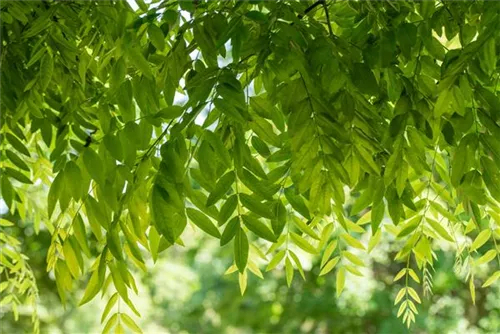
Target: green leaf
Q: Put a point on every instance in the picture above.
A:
(5, 222)
(170, 112)
(219, 148)
(362, 202)
(70, 258)
(393, 164)
(305, 228)
(54, 192)
(460, 164)
(296, 260)
(118, 281)
(80, 233)
(353, 258)
(276, 260)
(221, 188)
(110, 324)
(302, 243)
(229, 110)
(46, 69)
(364, 80)
(289, 271)
(227, 209)
(17, 144)
(17, 175)
(109, 305)
(93, 288)
(490, 255)
(328, 252)
(254, 205)
(168, 221)
(94, 166)
(241, 249)
(353, 270)
(480, 239)
(297, 202)
(203, 222)
(156, 36)
(439, 229)
(280, 218)
(127, 320)
(261, 188)
(264, 130)
(367, 159)
(136, 57)
(17, 160)
(73, 178)
(492, 145)
(259, 228)
(443, 103)
(351, 241)
(114, 146)
(340, 282)
(114, 244)
(329, 266)
(230, 231)
(492, 279)
(406, 35)
(260, 146)
(491, 176)
(489, 100)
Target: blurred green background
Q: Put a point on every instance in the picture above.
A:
(186, 291)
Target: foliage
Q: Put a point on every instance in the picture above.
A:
(254, 122)
(184, 292)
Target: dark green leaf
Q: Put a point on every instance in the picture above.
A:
(230, 231)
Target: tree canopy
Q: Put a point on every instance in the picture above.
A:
(281, 128)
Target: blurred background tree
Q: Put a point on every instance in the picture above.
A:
(186, 291)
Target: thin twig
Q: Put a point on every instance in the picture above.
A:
(325, 7)
(311, 7)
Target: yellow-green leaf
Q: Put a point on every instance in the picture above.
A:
(439, 229)
(130, 323)
(289, 271)
(353, 258)
(492, 279)
(297, 263)
(351, 241)
(414, 295)
(111, 322)
(340, 282)
(276, 260)
(480, 239)
(242, 280)
(302, 243)
(305, 228)
(329, 266)
(490, 255)
(328, 252)
(111, 302)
